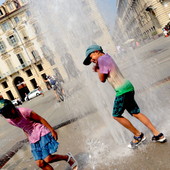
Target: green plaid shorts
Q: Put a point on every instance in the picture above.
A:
(125, 101)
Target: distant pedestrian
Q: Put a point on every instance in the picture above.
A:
(18, 100)
(41, 91)
(42, 137)
(26, 97)
(55, 83)
(165, 32)
(137, 44)
(107, 69)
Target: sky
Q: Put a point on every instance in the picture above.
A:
(108, 11)
(1, 1)
(107, 8)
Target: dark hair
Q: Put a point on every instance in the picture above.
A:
(6, 106)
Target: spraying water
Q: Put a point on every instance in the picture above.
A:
(68, 27)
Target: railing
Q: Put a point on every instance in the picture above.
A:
(15, 69)
(25, 64)
(36, 59)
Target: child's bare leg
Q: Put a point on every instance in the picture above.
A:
(127, 124)
(56, 95)
(43, 165)
(63, 92)
(56, 157)
(147, 123)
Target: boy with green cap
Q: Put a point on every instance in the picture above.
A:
(107, 69)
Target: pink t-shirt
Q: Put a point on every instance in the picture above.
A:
(108, 66)
(33, 129)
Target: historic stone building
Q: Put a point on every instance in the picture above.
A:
(25, 56)
(142, 19)
(23, 63)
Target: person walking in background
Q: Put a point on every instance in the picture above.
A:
(26, 97)
(107, 69)
(55, 84)
(41, 91)
(42, 137)
(52, 83)
(165, 32)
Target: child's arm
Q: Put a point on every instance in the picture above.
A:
(25, 134)
(35, 117)
(102, 76)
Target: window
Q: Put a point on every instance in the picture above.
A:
(5, 26)
(16, 19)
(45, 50)
(9, 64)
(28, 13)
(2, 47)
(34, 83)
(40, 68)
(10, 6)
(4, 84)
(19, 56)
(29, 73)
(17, 5)
(1, 13)
(35, 54)
(36, 28)
(10, 95)
(12, 40)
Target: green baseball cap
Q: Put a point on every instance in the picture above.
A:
(90, 50)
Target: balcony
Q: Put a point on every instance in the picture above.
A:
(36, 59)
(15, 69)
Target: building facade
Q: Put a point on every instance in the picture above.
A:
(69, 33)
(142, 19)
(23, 55)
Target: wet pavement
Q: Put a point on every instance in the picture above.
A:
(94, 147)
(148, 156)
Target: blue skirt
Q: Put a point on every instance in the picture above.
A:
(46, 146)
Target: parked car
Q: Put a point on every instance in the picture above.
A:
(16, 102)
(32, 94)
